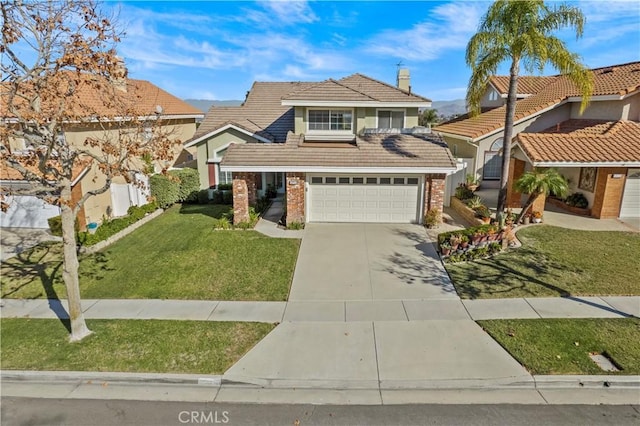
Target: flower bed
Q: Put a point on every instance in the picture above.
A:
(467, 213)
(472, 243)
(564, 206)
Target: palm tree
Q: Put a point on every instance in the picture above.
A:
(521, 32)
(540, 182)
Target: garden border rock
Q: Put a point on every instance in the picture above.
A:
(118, 235)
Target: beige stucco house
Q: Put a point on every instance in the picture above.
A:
(598, 151)
(178, 121)
(347, 150)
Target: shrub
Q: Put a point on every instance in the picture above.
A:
(138, 212)
(225, 187)
(203, 196)
(483, 212)
(227, 197)
(295, 226)
(243, 225)
(577, 199)
(263, 204)
(55, 225)
(474, 202)
(253, 215)
(222, 223)
(432, 218)
(164, 189)
(463, 193)
(188, 184)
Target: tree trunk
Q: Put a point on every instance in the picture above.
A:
(527, 205)
(508, 135)
(79, 328)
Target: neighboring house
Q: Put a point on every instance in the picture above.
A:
(178, 121)
(347, 150)
(598, 151)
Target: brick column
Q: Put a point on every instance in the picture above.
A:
(516, 169)
(295, 197)
(434, 192)
(244, 195)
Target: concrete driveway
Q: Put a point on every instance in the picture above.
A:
(368, 262)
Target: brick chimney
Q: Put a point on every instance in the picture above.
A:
(119, 75)
(403, 80)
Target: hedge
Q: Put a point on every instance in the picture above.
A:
(189, 184)
(165, 190)
(113, 226)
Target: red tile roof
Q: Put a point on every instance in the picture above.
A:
(527, 85)
(616, 80)
(584, 141)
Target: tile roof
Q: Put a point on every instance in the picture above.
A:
(356, 88)
(261, 113)
(141, 96)
(584, 141)
(527, 84)
(29, 163)
(615, 80)
(376, 151)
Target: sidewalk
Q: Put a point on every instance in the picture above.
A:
(336, 311)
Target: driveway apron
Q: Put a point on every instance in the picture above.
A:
(372, 307)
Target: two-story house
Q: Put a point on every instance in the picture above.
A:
(177, 121)
(598, 151)
(347, 150)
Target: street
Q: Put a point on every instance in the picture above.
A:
(84, 412)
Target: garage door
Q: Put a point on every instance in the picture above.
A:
(381, 199)
(631, 197)
(27, 212)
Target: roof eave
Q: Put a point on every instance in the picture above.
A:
(586, 163)
(338, 169)
(351, 104)
(212, 133)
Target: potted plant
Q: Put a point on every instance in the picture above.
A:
(526, 219)
(445, 248)
(476, 238)
(474, 203)
(455, 241)
(472, 182)
(484, 213)
(492, 233)
(537, 216)
(464, 241)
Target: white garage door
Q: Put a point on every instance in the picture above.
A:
(381, 199)
(27, 212)
(631, 197)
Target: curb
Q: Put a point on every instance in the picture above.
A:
(537, 382)
(86, 376)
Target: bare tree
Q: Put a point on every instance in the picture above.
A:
(60, 71)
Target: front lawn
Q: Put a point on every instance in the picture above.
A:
(129, 345)
(178, 255)
(562, 346)
(555, 262)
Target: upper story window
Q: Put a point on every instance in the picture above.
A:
(330, 119)
(390, 119)
(493, 95)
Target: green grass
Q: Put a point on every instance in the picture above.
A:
(175, 256)
(562, 346)
(129, 345)
(555, 262)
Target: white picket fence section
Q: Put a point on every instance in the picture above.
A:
(455, 179)
(125, 195)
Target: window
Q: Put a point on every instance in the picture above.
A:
(497, 144)
(372, 181)
(493, 95)
(385, 181)
(224, 178)
(357, 180)
(326, 119)
(316, 179)
(343, 180)
(412, 181)
(329, 180)
(398, 181)
(390, 119)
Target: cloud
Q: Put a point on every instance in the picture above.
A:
(449, 27)
(290, 12)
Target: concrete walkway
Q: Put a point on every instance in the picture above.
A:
(332, 311)
(268, 223)
(16, 240)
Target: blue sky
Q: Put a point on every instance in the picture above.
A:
(216, 50)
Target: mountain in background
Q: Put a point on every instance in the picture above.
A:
(450, 108)
(205, 104)
(445, 108)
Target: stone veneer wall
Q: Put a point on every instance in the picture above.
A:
(244, 195)
(295, 183)
(434, 192)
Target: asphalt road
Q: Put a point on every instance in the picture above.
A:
(36, 412)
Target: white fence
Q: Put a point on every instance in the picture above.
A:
(125, 195)
(455, 179)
